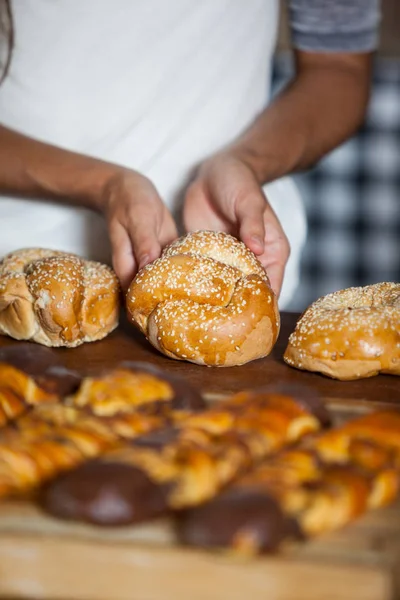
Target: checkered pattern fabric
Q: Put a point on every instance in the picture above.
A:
(352, 198)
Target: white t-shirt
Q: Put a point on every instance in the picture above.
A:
(153, 85)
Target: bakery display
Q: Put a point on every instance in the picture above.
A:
(125, 445)
(118, 404)
(207, 300)
(183, 466)
(56, 299)
(305, 491)
(349, 334)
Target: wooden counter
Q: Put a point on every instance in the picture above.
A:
(128, 344)
(42, 558)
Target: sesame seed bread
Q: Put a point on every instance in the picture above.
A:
(207, 300)
(349, 334)
(56, 299)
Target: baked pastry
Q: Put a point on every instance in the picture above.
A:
(136, 387)
(56, 299)
(207, 300)
(31, 376)
(17, 392)
(42, 365)
(120, 404)
(349, 334)
(184, 465)
(304, 491)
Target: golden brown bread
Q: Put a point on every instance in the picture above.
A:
(185, 465)
(319, 485)
(349, 334)
(123, 403)
(56, 299)
(207, 300)
(18, 391)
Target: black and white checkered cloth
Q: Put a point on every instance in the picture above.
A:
(352, 198)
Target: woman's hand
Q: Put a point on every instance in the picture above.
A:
(226, 196)
(138, 222)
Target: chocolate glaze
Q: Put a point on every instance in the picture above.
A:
(59, 380)
(42, 365)
(250, 511)
(28, 357)
(305, 396)
(157, 439)
(185, 397)
(104, 493)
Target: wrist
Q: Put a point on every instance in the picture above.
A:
(265, 166)
(98, 183)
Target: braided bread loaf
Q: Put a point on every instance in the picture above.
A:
(349, 334)
(207, 300)
(55, 298)
(185, 465)
(128, 401)
(31, 376)
(316, 487)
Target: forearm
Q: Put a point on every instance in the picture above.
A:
(320, 108)
(34, 169)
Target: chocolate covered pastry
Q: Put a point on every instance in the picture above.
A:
(31, 375)
(318, 486)
(184, 465)
(121, 403)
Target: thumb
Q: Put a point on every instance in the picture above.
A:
(250, 218)
(144, 238)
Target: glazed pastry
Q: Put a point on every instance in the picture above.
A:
(217, 295)
(119, 404)
(29, 376)
(184, 465)
(350, 334)
(56, 298)
(318, 486)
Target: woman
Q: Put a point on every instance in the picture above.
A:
(116, 114)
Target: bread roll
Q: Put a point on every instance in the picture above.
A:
(350, 334)
(207, 300)
(56, 299)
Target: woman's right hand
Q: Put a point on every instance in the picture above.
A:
(139, 224)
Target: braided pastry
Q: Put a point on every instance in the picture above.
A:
(184, 465)
(119, 404)
(56, 299)
(316, 487)
(207, 300)
(17, 392)
(42, 380)
(349, 334)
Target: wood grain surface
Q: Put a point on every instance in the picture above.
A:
(126, 343)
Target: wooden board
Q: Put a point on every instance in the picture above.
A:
(43, 558)
(126, 343)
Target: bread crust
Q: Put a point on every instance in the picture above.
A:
(56, 299)
(349, 334)
(207, 300)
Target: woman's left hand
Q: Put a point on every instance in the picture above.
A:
(226, 196)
